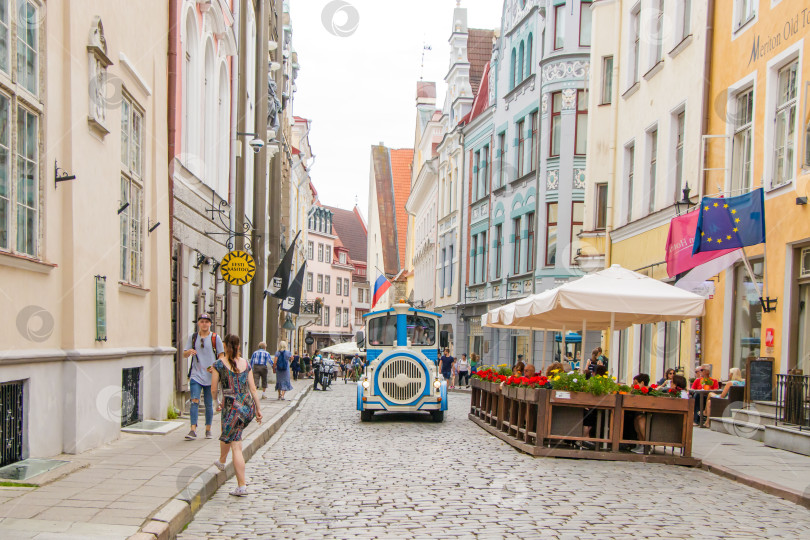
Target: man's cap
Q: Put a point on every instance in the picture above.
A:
(205, 316)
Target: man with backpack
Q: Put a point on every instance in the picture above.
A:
(204, 347)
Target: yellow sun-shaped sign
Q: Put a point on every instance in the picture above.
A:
(238, 268)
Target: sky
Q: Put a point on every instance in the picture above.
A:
(359, 64)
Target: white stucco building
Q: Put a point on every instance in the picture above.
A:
(86, 284)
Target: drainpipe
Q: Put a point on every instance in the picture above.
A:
(240, 96)
(172, 109)
(616, 178)
(707, 69)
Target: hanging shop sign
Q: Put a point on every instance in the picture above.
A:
(238, 268)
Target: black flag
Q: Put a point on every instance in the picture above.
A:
(281, 279)
(292, 302)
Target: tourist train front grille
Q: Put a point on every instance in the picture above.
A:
(401, 380)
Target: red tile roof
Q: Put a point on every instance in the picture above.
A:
(479, 53)
(401, 161)
(351, 232)
(386, 208)
(481, 101)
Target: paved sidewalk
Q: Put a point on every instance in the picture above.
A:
(750, 462)
(124, 483)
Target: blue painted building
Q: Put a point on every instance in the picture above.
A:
(525, 159)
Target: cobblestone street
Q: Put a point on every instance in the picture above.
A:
(329, 476)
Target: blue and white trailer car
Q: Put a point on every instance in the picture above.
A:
(402, 372)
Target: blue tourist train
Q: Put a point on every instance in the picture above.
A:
(402, 372)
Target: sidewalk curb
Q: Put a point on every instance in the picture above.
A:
(802, 499)
(178, 512)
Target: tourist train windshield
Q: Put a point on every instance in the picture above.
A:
(382, 331)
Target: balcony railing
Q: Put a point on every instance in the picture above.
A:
(310, 308)
(793, 400)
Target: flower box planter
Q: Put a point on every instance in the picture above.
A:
(668, 421)
(581, 399)
(533, 394)
(476, 383)
(545, 422)
(655, 403)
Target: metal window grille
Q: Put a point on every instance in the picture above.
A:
(11, 422)
(131, 396)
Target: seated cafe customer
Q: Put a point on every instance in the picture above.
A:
(703, 378)
(554, 369)
(735, 379)
(639, 418)
(529, 371)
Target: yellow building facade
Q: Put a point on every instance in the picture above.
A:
(758, 137)
(647, 106)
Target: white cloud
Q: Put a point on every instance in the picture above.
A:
(360, 90)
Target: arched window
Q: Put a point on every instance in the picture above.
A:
(520, 63)
(529, 45)
(209, 118)
(223, 132)
(190, 86)
(512, 70)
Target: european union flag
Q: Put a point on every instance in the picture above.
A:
(729, 223)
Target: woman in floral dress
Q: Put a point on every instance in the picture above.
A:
(239, 406)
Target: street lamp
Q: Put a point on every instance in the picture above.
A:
(683, 205)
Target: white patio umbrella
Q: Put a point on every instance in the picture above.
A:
(614, 298)
(348, 348)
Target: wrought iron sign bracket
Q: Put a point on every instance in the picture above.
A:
(223, 212)
(63, 177)
(768, 304)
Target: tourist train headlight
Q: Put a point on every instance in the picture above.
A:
(437, 384)
(366, 384)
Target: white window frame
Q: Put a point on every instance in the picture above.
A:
(787, 57)
(22, 44)
(309, 281)
(634, 47)
(14, 160)
(656, 33)
(629, 178)
(5, 28)
(683, 21)
(606, 92)
(653, 141)
(678, 147)
(742, 133)
(132, 192)
(740, 20)
(327, 284)
(346, 287)
(783, 109)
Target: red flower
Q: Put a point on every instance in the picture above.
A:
(636, 387)
(653, 386)
(645, 390)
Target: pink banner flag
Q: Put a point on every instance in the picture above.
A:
(679, 245)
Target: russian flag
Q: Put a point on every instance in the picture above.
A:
(380, 287)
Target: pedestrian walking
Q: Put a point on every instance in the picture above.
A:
(446, 365)
(258, 364)
(463, 371)
(295, 366)
(307, 365)
(282, 365)
(239, 405)
(204, 348)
